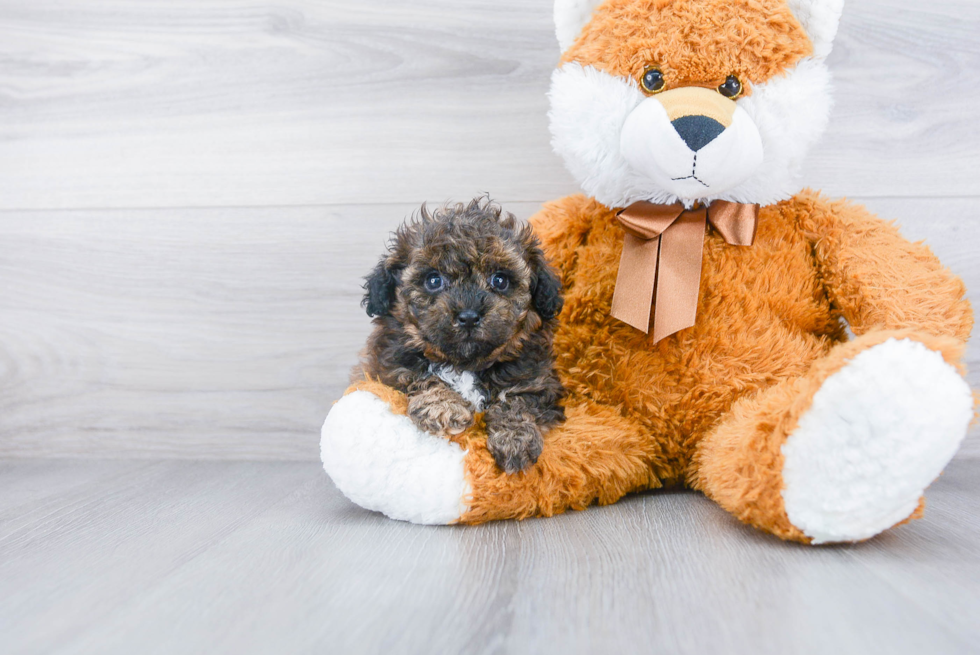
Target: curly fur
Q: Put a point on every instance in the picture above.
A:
(418, 332)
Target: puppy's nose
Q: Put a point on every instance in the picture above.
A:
(468, 318)
(697, 131)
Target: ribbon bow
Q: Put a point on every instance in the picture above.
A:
(660, 270)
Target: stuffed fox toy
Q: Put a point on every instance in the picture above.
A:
(704, 340)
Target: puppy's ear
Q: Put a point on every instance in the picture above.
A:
(379, 289)
(545, 283)
(546, 292)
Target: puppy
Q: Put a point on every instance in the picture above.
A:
(464, 307)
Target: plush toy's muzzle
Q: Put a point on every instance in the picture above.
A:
(692, 142)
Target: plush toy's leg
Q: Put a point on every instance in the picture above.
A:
(595, 456)
(846, 451)
(381, 461)
(378, 458)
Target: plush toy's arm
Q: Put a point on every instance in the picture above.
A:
(876, 278)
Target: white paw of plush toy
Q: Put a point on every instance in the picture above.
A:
(382, 462)
(877, 433)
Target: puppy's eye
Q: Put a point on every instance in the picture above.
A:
(433, 282)
(732, 88)
(500, 282)
(652, 80)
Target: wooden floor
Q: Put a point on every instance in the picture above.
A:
(266, 557)
(190, 191)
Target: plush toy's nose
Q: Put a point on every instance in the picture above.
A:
(697, 131)
(698, 115)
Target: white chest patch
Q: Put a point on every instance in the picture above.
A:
(462, 382)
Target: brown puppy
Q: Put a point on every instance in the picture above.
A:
(464, 308)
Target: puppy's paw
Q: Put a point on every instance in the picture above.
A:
(515, 445)
(439, 410)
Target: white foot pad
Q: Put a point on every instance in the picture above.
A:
(879, 431)
(382, 462)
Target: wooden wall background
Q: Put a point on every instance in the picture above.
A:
(190, 190)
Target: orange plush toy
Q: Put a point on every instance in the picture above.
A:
(704, 338)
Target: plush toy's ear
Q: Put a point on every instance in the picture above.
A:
(570, 17)
(379, 289)
(820, 19)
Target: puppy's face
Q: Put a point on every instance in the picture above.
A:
(465, 285)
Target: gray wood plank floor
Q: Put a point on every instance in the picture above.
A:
(263, 557)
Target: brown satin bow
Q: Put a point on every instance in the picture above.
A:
(660, 270)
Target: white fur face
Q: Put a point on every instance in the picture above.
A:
(689, 168)
(622, 147)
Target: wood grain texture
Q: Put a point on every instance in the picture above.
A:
(194, 557)
(223, 333)
(171, 103)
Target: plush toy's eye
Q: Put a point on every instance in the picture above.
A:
(433, 282)
(732, 88)
(500, 282)
(652, 80)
